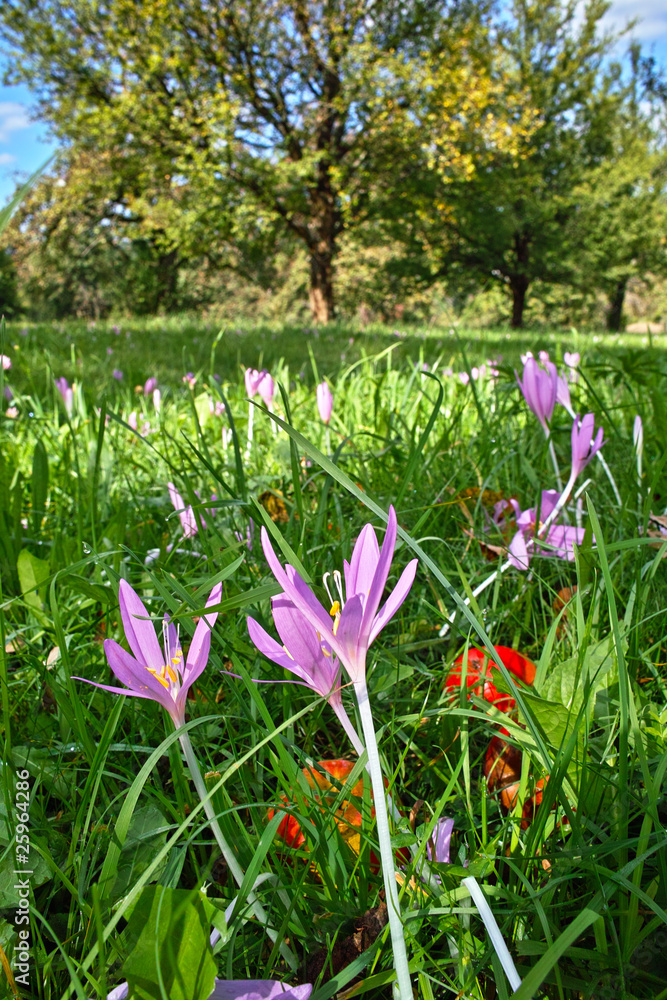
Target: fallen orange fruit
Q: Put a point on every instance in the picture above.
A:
(483, 674)
(348, 816)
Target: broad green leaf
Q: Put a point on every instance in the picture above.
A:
(172, 955)
(33, 574)
(566, 681)
(146, 836)
(10, 882)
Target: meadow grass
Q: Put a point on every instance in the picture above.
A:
(576, 878)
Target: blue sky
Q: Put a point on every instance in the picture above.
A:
(24, 144)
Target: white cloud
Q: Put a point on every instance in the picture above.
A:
(651, 17)
(6, 159)
(13, 118)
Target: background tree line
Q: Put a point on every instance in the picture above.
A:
(354, 153)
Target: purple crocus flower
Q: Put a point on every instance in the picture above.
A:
(8, 393)
(154, 673)
(354, 620)
(563, 394)
(539, 388)
(572, 360)
(252, 379)
(239, 989)
(5, 362)
(439, 844)
(324, 401)
(117, 374)
(559, 540)
(266, 388)
(150, 385)
(185, 513)
(65, 390)
(584, 446)
(190, 379)
(303, 653)
(638, 435)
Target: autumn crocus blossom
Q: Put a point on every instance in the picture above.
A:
(6, 362)
(185, 513)
(540, 388)
(305, 655)
(266, 388)
(155, 673)
(355, 619)
(252, 379)
(324, 402)
(558, 540)
(584, 445)
(240, 989)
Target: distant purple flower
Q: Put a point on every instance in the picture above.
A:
(324, 401)
(150, 385)
(266, 388)
(157, 400)
(438, 847)
(563, 393)
(8, 393)
(117, 374)
(153, 673)
(116, 329)
(249, 538)
(6, 362)
(526, 356)
(65, 390)
(132, 420)
(24, 331)
(572, 360)
(252, 379)
(584, 447)
(185, 513)
(109, 351)
(539, 388)
(190, 379)
(544, 357)
(216, 406)
(637, 434)
(354, 620)
(464, 377)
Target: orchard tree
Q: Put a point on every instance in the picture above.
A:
(507, 216)
(291, 104)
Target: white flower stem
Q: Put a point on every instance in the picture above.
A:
(476, 592)
(386, 852)
(225, 849)
(251, 421)
(350, 731)
(493, 931)
(552, 452)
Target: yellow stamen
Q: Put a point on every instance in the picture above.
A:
(176, 660)
(172, 676)
(335, 609)
(162, 681)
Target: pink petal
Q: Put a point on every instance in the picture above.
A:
(395, 599)
(348, 637)
(365, 556)
(135, 675)
(518, 552)
(304, 645)
(381, 574)
(139, 629)
(270, 648)
(258, 989)
(299, 592)
(201, 640)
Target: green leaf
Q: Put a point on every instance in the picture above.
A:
(566, 682)
(33, 574)
(40, 484)
(172, 956)
(146, 836)
(10, 882)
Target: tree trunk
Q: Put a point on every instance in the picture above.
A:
(519, 285)
(167, 282)
(321, 285)
(616, 300)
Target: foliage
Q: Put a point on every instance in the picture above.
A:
(116, 833)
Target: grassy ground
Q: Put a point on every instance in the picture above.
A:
(575, 871)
